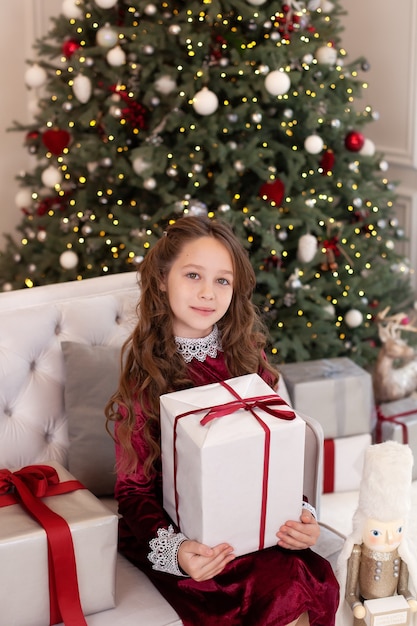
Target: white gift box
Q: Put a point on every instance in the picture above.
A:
(343, 462)
(218, 483)
(397, 420)
(336, 392)
(24, 586)
(387, 611)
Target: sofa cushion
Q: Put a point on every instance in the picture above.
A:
(91, 377)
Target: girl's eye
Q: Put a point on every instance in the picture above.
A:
(223, 281)
(192, 275)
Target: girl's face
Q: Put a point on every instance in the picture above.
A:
(199, 287)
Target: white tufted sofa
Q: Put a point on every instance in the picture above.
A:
(33, 420)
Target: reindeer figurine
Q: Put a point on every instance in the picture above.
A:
(395, 371)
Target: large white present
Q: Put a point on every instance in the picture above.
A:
(25, 574)
(343, 462)
(336, 392)
(387, 611)
(233, 473)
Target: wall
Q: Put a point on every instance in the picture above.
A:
(374, 29)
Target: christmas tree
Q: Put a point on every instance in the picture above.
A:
(245, 110)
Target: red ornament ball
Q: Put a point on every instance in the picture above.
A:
(69, 47)
(354, 141)
(274, 192)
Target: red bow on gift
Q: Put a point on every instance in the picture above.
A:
(26, 486)
(260, 402)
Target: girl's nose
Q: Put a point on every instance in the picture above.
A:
(206, 290)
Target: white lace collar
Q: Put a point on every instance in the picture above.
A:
(199, 348)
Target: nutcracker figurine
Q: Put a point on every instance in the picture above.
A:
(376, 560)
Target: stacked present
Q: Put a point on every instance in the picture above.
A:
(232, 462)
(397, 420)
(339, 395)
(58, 547)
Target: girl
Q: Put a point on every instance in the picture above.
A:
(197, 325)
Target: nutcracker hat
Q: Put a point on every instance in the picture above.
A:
(384, 495)
(385, 488)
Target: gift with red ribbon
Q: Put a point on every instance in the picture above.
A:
(233, 462)
(343, 462)
(37, 544)
(397, 420)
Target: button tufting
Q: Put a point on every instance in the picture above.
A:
(7, 411)
(58, 329)
(118, 319)
(32, 366)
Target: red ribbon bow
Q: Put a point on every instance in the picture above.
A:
(259, 402)
(28, 485)
(393, 419)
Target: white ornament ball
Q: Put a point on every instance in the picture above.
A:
(35, 76)
(368, 148)
(277, 83)
(51, 177)
(116, 57)
(82, 88)
(329, 309)
(256, 3)
(105, 4)
(23, 198)
(205, 102)
(307, 248)
(149, 183)
(150, 9)
(353, 318)
(71, 10)
(68, 260)
(313, 144)
(326, 55)
(139, 165)
(106, 36)
(165, 85)
(326, 6)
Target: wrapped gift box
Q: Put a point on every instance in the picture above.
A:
(386, 611)
(397, 420)
(336, 392)
(343, 462)
(239, 476)
(24, 556)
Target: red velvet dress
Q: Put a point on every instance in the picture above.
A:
(268, 588)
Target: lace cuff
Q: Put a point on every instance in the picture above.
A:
(310, 508)
(164, 551)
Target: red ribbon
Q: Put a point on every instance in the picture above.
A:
(394, 420)
(329, 466)
(249, 404)
(29, 484)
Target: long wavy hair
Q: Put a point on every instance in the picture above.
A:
(151, 364)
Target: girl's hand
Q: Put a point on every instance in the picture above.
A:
(299, 535)
(201, 562)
